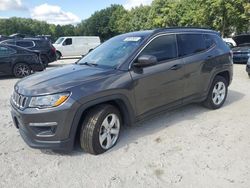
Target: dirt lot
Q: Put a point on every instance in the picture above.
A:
(188, 147)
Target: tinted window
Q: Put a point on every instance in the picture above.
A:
(163, 47)
(42, 43)
(25, 44)
(67, 41)
(190, 44)
(209, 41)
(6, 51)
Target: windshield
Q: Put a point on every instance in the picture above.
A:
(59, 41)
(113, 52)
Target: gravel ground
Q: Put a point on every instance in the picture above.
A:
(188, 147)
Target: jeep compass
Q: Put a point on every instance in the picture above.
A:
(126, 79)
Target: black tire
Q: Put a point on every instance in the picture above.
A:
(91, 128)
(58, 55)
(249, 75)
(209, 103)
(45, 60)
(21, 70)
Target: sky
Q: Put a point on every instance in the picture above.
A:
(60, 11)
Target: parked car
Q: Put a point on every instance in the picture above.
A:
(46, 49)
(230, 42)
(19, 62)
(126, 79)
(75, 46)
(248, 67)
(241, 53)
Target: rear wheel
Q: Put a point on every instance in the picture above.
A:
(21, 70)
(100, 129)
(217, 94)
(45, 60)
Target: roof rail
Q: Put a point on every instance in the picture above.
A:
(177, 27)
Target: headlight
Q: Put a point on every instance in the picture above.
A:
(48, 101)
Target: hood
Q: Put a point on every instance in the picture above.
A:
(59, 79)
(242, 39)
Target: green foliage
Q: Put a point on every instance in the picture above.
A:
(226, 16)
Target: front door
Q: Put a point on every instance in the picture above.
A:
(159, 85)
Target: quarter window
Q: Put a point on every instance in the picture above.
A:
(163, 48)
(209, 41)
(189, 44)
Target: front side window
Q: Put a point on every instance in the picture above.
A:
(59, 40)
(6, 51)
(67, 42)
(25, 44)
(189, 44)
(163, 48)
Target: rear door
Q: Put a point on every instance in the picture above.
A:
(192, 49)
(6, 58)
(161, 84)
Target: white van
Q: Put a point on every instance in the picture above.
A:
(75, 45)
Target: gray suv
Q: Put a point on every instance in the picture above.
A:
(126, 79)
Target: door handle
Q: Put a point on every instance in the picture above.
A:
(176, 67)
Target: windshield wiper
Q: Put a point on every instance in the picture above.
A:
(89, 64)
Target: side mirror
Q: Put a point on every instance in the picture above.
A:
(145, 61)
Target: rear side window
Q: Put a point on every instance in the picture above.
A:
(4, 51)
(209, 41)
(189, 44)
(25, 44)
(163, 47)
(42, 43)
(68, 41)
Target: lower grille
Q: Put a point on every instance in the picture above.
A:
(19, 100)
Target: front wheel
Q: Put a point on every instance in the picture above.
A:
(217, 93)
(100, 129)
(21, 70)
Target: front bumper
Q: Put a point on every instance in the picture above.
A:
(45, 129)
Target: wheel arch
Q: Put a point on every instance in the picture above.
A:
(224, 74)
(119, 101)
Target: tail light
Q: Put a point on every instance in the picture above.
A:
(53, 49)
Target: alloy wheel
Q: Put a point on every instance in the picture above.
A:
(219, 93)
(109, 131)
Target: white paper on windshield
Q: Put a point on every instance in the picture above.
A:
(132, 39)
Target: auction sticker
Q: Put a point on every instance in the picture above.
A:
(132, 39)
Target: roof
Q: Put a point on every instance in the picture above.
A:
(171, 30)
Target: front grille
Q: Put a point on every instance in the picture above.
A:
(19, 100)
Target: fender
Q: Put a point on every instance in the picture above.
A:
(226, 68)
(126, 108)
